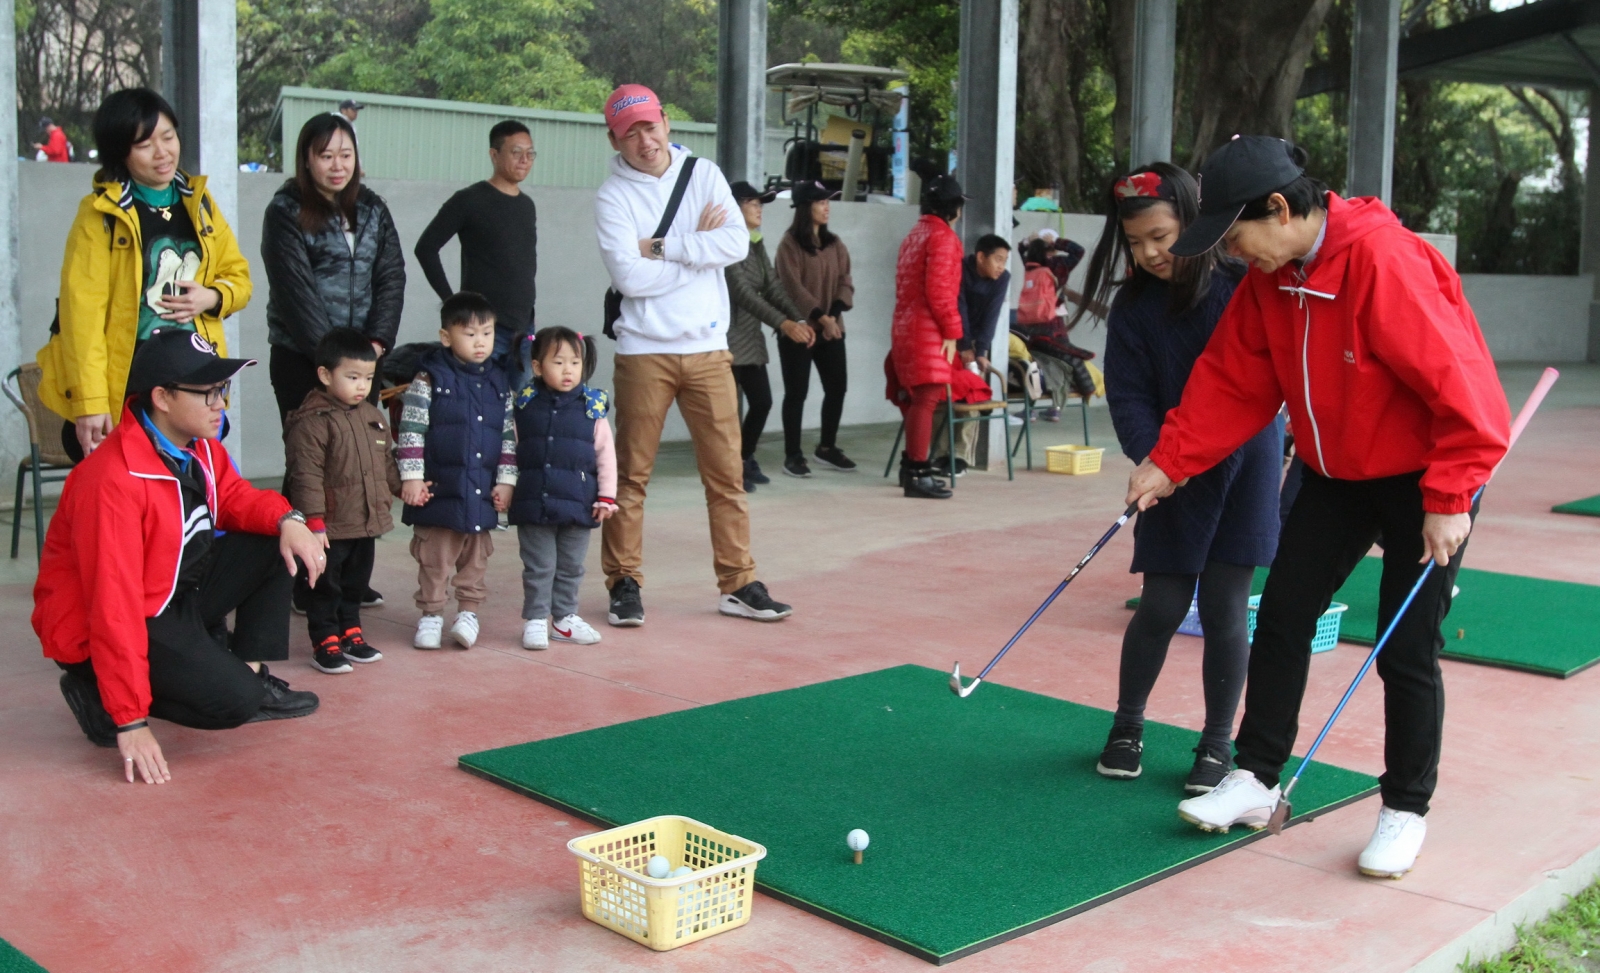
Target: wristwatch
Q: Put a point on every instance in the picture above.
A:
(294, 515)
(657, 248)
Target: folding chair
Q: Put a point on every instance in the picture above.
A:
(957, 413)
(47, 461)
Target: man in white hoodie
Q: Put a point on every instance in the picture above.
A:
(672, 345)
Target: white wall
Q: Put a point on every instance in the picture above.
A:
(1532, 319)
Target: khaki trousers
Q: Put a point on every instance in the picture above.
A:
(703, 386)
(439, 551)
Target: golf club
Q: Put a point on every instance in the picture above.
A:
(955, 675)
(1281, 813)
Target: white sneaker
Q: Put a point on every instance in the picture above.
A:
(465, 629)
(574, 629)
(536, 634)
(1394, 845)
(1239, 799)
(428, 629)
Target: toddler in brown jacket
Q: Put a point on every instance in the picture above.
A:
(341, 473)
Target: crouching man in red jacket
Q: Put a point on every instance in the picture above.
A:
(1362, 328)
(135, 584)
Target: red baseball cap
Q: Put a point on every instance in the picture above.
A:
(631, 103)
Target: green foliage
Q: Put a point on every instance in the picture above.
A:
(1568, 941)
(668, 45)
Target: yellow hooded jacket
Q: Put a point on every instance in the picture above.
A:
(86, 361)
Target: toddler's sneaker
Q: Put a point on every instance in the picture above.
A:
(1395, 844)
(1210, 766)
(1120, 758)
(356, 649)
(574, 629)
(429, 629)
(752, 601)
(536, 634)
(465, 629)
(328, 657)
(1238, 799)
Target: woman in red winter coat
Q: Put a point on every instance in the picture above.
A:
(927, 324)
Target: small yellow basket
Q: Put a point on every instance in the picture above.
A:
(1071, 459)
(665, 913)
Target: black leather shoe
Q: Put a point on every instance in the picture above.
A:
(283, 703)
(83, 698)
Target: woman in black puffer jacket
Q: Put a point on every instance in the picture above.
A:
(332, 256)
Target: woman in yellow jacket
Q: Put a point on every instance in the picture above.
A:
(148, 248)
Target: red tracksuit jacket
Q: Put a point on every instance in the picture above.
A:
(112, 554)
(1377, 354)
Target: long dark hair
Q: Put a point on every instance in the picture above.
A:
(316, 211)
(124, 119)
(801, 229)
(547, 338)
(1112, 267)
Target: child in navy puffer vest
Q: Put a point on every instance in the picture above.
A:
(457, 460)
(566, 484)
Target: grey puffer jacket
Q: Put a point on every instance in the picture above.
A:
(317, 284)
(757, 298)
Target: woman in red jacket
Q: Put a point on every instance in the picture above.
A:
(1362, 328)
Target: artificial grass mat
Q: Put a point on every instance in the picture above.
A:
(1588, 507)
(13, 961)
(986, 816)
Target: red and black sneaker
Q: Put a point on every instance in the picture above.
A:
(327, 657)
(356, 649)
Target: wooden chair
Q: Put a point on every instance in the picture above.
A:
(956, 413)
(47, 461)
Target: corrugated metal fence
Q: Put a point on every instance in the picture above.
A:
(448, 141)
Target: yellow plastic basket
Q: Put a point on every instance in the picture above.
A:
(665, 913)
(1075, 460)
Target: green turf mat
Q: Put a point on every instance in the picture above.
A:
(13, 961)
(1588, 507)
(986, 815)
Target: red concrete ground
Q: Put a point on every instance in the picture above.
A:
(349, 841)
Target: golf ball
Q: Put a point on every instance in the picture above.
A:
(857, 840)
(658, 867)
(681, 871)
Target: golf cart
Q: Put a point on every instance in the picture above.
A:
(850, 152)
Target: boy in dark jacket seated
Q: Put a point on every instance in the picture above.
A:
(458, 465)
(341, 474)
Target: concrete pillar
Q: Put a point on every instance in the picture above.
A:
(1589, 255)
(742, 89)
(180, 72)
(12, 431)
(986, 127)
(1155, 44)
(1374, 63)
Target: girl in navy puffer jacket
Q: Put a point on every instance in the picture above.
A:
(566, 484)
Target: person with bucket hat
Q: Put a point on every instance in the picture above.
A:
(136, 584)
(757, 299)
(1362, 328)
(814, 267)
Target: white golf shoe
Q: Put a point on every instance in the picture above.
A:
(1239, 799)
(574, 629)
(536, 634)
(429, 628)
(465, 629)
(1395, 844)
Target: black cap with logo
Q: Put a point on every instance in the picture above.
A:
(743, 191)
(178, 356)
(811, 191)
(944, 188)
(1244, 169)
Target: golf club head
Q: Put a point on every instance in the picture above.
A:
(955, 683)
(1280, 816)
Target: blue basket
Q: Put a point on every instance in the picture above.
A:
(1327, 626)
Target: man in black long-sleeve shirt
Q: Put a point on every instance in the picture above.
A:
(498, 228)
(984, 283)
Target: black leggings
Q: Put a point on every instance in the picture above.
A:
(796, 360)
(1224, 595)
(757, 389)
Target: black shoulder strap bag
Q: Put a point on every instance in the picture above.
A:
(614, 296)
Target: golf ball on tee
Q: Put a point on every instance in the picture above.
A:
(857, 840)
(658, 867)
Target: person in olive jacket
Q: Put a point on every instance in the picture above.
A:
(332, 256)
(341, 473)
(757, 299)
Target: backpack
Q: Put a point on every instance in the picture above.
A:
(1037, 305)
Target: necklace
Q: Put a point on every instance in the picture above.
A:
(158, 200)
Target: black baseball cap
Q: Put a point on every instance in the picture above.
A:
(743, 191)
(178, 356)
(811, 191)
(945, 189)
(351, 103)
(1244, 169)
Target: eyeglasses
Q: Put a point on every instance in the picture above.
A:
(518, 155)
(214, 396)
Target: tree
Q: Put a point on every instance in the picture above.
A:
(72, 53)
(668, 45)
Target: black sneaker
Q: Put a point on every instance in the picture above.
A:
(941, 467)
(627, 607)
(796, 466)
(1211, 764)
(282, 703)
(753, 474)
(83, 698)
(329, 657)
(372, 599)
(355, 647)
(1120, 758)
(834, 459)
(752, 601)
